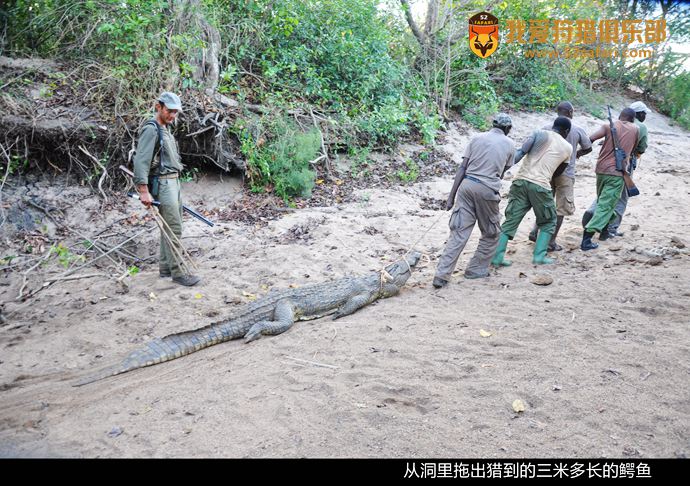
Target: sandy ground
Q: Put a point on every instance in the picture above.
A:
(600, 358)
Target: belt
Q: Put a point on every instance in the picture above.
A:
(474, 179)
(172, 175)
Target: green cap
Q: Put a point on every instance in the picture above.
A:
(171, 101)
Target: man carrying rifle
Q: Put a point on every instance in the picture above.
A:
(641, 111)
(157, 167)
(621, 139)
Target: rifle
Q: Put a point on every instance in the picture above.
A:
(621, 157)
(157, 203)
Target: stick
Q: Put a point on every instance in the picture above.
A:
(75, 277)
(173, 235)
(179, 260)
(69, 272)
(313, 363)
(103, 175)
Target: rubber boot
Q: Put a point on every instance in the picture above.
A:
(540, 248)
(533, 234)
(586, 218)
(498, 260)
(553, 246)
(604, 235)
(587, 241)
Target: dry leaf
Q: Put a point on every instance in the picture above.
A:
(484, 333)
(293, 286)
(152, 297)
(319, 181)
(197, 296)
(518, 406)
(248, 295)
(264, 287)
(338, 182)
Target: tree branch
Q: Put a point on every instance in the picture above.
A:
(410, 21)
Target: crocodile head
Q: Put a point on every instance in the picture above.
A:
(401, 270)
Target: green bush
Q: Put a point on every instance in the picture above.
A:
(334, 52)
(676, 99)
(283, 161)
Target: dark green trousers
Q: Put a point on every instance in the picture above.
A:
(523, 196)
(609, 189)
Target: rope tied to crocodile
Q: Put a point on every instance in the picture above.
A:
(385, 276)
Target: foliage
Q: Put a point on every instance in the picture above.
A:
(64, 255)
(475, 97)
(354, 62)
(281, 163)
(411, 174)
(676, 99)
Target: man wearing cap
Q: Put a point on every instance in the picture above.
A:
(641, 111)
(477, 184)
(610, 183)
(563, 186)
(547, 153)
(157, 161)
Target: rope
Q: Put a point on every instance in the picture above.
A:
(386, 275)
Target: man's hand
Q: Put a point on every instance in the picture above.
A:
(144, 195)
(449, 204)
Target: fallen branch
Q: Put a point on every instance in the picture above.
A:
(104, 174)
(75, 277)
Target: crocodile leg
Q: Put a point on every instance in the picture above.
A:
(354, 303)
(284, 318)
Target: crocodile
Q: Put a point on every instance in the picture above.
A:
(271, 315)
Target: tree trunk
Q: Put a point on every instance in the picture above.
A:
(189, 19)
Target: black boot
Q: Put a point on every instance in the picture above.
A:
(586, 218)
(604, 235)
(553, 246)
(587, 242)
(533, 234)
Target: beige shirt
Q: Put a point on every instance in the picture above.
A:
(488, 156)
(576, 136)
(628, 134)
(541, 162)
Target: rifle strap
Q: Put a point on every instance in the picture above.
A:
(160, 143)
(614, 135)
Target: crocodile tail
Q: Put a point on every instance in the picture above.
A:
(100, 375)
(166, 349)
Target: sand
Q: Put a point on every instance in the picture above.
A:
(600, 357)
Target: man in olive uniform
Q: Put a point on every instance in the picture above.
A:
(547, 154)
(610, 182)
(641, 111)
(563, 186)
(157, 156)
(479, 180)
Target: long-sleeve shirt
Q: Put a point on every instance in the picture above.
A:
(627, 138)
(145, 160)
